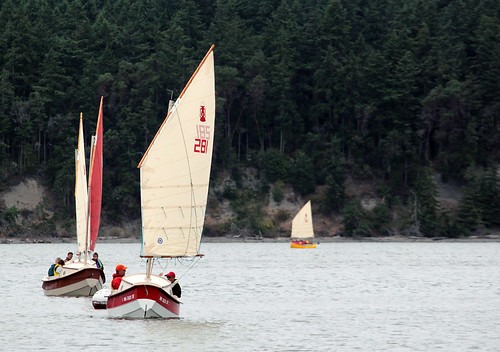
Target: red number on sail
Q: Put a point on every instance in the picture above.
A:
(200, 145)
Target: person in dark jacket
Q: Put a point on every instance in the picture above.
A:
(59, 267)
(176, 288)
(98, 263)
(55, 269)
(117, 277)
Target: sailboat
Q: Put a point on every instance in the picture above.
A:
(174, 181)
(81, 277)
(302, 228)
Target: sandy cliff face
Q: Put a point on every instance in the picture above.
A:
(26, 195)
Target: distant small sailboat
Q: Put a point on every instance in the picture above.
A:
(81, 277)
(302, 228)
(174, 179)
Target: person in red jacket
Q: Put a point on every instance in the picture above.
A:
(117, 277)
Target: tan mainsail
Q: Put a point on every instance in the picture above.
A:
(81, 195)
(302, 223)
(175, 170)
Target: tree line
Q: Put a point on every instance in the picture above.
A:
(309, 92)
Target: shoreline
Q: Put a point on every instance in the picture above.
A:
(318, 240)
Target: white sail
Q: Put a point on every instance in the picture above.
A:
(81, 198)
(175, 170)
(302, 223)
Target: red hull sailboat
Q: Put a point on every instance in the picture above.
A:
(174, 174)
(81, 277)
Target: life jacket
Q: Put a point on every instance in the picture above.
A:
(116, 282)
(52, 270)
(55, 268)
(98, 263)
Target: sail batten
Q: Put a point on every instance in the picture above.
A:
(177, 186)
(175, 170)
(164, 229)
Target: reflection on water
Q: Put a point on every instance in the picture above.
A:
(269, 297)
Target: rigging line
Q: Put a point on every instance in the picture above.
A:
(164, 267)
(190, 267)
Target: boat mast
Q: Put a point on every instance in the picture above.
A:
(87, 236)
(170, 102)
(148, 268)
(76, 217)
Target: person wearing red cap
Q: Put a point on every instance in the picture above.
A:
(117, 277)
(176, 288)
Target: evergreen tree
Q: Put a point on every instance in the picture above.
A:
(468, 215)
(300, 175)
(354, 221)
(488, 197)
(371, 90)
(427, 205)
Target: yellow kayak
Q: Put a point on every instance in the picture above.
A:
(296, 245)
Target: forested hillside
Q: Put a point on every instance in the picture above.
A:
(310, 93)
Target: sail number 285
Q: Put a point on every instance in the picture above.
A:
(201, 143)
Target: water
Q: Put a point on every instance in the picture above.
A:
(269, 297)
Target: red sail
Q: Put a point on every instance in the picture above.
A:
(95, 182)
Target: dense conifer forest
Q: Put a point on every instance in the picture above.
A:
(310, 93)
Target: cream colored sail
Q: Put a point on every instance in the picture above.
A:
(175, 171)
(81, 198)
(302, 223)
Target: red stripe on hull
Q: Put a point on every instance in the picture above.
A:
(143, 291)
(80, 275)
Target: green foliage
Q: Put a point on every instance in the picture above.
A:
(450, 228)
(301, 175)
(480, 204)
(278, 191)
(10, 215)
(469, 216)
(281, 215)
(334, 196)
(426, 203)
(249, 212)
(333, 168)
(380, 219)
(229, 191)
(319, 90)
(355, 220)
(488, 197)
(360, 222)
(216, 230)
(274, 165)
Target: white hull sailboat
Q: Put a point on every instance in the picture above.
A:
(302, 228)
(140, 296)
(81, 277)
(174, 177)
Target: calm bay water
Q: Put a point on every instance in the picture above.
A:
(269, 297)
